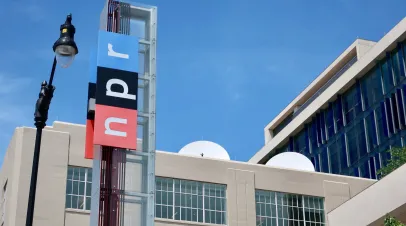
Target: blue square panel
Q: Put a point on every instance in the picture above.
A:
(117, 51)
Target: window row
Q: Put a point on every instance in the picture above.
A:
(358, 124)
(206, 202)
(283, 209)
(190, 201)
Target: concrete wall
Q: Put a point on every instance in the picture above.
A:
(51, 184)
(388, 196)
(242, 179)
(62, 147)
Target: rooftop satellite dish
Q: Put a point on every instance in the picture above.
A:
(205, 149)
(291, 160)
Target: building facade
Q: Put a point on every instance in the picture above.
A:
(189, 190)
(351, 114)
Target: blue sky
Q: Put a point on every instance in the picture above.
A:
(225, 68)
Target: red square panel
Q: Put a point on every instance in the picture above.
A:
(115, 127)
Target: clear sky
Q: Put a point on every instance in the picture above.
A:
(225, 68)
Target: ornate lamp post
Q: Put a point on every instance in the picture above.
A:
(65, 50)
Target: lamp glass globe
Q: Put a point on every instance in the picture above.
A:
(65, 55)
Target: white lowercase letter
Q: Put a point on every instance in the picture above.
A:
(113, 53)
(124, 94)
(109, 131)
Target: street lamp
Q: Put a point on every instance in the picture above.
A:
(65, 50)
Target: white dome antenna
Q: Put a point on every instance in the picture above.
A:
(205, 148)
(291, 160)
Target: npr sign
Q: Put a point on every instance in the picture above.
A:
(115, 105)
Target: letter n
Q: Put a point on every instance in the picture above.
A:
(115, 127)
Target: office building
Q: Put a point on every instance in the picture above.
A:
(189, 190)
(343, 122)
(353, 112)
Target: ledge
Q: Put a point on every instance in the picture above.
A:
(69, 210)
(179, 222)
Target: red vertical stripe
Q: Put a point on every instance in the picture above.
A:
(89, 139)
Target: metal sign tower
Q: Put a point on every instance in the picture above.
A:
(122, 91)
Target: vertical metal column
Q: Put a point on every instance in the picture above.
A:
(127, 177)
(149, 137)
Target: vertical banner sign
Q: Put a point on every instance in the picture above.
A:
(115, 121)
(91, 104)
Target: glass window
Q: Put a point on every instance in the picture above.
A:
(190, 201)
(381, 122)
(371, 130)
(396, 67)
(389, 115)
(371, 87)
(300, 142)
(322, 128)
(318, 129)
(315, 161)
(351, 104)
(277, 208)
(324, 160)
(356, 142)
(283, 124)
(403, 58)
(361, 139)
(364, 170)
(334, 158)
(313, 136)
(329, 121)
(372, 167)
(352, 145)
(342, 151)
(78, 188)
(395, 111)
(386, 76)
(338, 113)
(399, 101)
(377, 162)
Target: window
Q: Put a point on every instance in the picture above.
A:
(386, 76)
(324, 161)
(399, 100)
(371, 87)
(78, 188)
(338, 113)
(352, 104)
(279, 209)
(300, 142)
(329, 121)
(371, 131)
(396, 67)
(356, 142)
(341, 148)
(334, 158)
(313, 136)
(395, 111)
(381, 122)
(190, 201)
(283, 124)
(365, 169)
